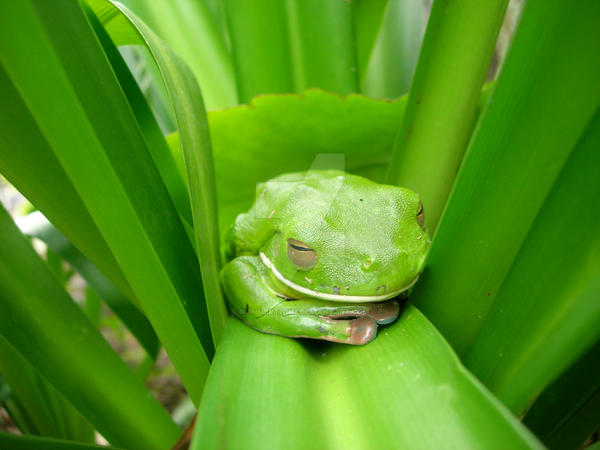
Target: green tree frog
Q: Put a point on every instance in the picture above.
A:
(320, 252)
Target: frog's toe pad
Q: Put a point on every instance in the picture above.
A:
(362, 331)
(385, 312)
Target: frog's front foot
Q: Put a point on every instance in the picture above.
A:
(354, 324)
(252, 299)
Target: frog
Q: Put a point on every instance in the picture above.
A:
(324, 254)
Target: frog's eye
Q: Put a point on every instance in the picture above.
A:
(421, 215)
(301, 254)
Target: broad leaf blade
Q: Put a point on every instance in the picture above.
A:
(406, 389)
(87, 121)
(261, 59)
(323, 52)
(547, 311)
(191, 121)
(391, 64)
(252, 139)
(28, 163)
(568, 411)
(153, 137)
(543, 99)
(368, 17)
(47, 410)
(75, 359)
(456, 52)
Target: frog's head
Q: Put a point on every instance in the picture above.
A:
(366, 243)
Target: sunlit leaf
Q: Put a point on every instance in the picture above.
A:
(442, 102)
(406, 389)
(187, 28)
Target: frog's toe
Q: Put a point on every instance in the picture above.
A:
(385, 312)
(362, 331)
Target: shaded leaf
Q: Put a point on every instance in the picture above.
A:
(36, 225)
(75, 359)
(568, 411)
(547, 312)
(47, 412)
(195, 143)
(545, 95)
(15, 442)
(82, 111)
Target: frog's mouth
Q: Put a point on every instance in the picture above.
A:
(332, 297)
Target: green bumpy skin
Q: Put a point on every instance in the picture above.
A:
(320, 253)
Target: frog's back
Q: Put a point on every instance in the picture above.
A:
(344, 201)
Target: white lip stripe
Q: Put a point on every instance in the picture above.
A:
(333, 297)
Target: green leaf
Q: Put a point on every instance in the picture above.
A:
(186, 27)
(75, 359)
(92, 306)
(195, 144)
(217, 12)
(391, 64)
(406, 389)
(547, 312)
(28, 163)
(151, 132)
(36, 225)
(15, 409)
(147, 76)
(19, 416)
(84, 115)
(321, 35)
(49, 413)
(568, 411)
(15, 442)
(251, 140)
(368, 17)
(545, 95)
(457, 49)
(261, 59)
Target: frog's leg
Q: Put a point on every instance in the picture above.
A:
(247, 287)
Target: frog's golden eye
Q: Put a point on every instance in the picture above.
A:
(301, 254)
(421, 215)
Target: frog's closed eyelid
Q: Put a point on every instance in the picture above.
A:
(301, 254)
(420, 210)
(299, 247)
(421, 215)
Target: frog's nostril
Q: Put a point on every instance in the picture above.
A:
(367, 262)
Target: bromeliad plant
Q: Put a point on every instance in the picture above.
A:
(499, 341)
